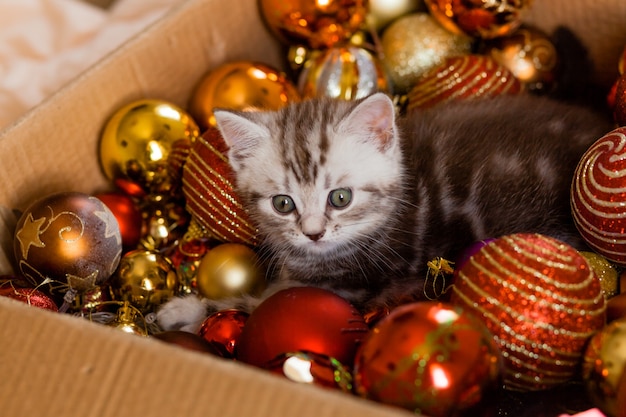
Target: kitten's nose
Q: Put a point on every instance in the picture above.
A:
(315, 236)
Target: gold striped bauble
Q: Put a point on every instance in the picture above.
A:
(461, 78)
(598, 196)
(541, 301)
(209, 193)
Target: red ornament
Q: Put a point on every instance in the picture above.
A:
(431, 358)
(598, 196)
(186, 257)
(540, 299)
(462, 78)
(18, 289)
(209, 192)
(301, 319)
(186, 340)
(128, 216)
(619, 101)
(312, 368)
(222, 330)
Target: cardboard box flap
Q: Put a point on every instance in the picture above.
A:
(58, 365)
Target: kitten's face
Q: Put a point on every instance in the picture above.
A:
(318, 178)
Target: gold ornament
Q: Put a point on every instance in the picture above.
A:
(241, 85)
(606, 272)
(383, 12)
(146, 279)
(129, 320)
(347, 72)
(313, 23)
(228, 270)
(138, 139)
(604, 368)
(416, 43)
(530, 55)
(486, 19)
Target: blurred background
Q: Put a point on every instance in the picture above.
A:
(46, 43)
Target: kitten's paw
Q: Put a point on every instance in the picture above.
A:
(182, 313)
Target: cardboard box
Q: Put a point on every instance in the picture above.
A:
(54, 364)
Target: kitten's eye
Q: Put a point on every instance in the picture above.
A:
(340, 197)
(283, 204)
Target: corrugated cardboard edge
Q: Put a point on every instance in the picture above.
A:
(67, 366)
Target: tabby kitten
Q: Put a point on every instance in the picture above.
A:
(348, 197)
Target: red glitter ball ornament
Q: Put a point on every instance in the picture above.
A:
(540, 299)
(462, 78)
(18, 289)
(301, 319)
(431, 358)
(598, 196)
(222, 330)
(209, 192)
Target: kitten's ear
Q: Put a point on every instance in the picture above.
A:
(374, 119)
(240, 134)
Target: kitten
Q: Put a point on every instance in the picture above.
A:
(348, 197)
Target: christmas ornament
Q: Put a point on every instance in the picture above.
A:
(230, 270)
(312, 368)
(468, 252)
(129, 320)
(462, 78)
(479, 18)
(530, 55)
(96, 299)
(431, 358)
(301, 319)
(222, 330)
(186, 340)
(240, 85)
(69, 240)
(137, 140)
(209, 192)
(619, 101)
(383, 12)
(19, 289)
(606, 272)
(541, 301)
(165, 220)
(598, 196)
(344, 72)
(312, 23)
(145, 279)
(185, 256)
(604, 368)
(127, 214)
(414, 44)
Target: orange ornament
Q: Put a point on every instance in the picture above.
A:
(541, 301)
(461, 78)
(241, 85)
(479, 18)
(431, 358)
(209, 191)
(313, 23)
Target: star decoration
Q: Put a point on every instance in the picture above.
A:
(80, 283)
(112, 227)
(29, 234)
